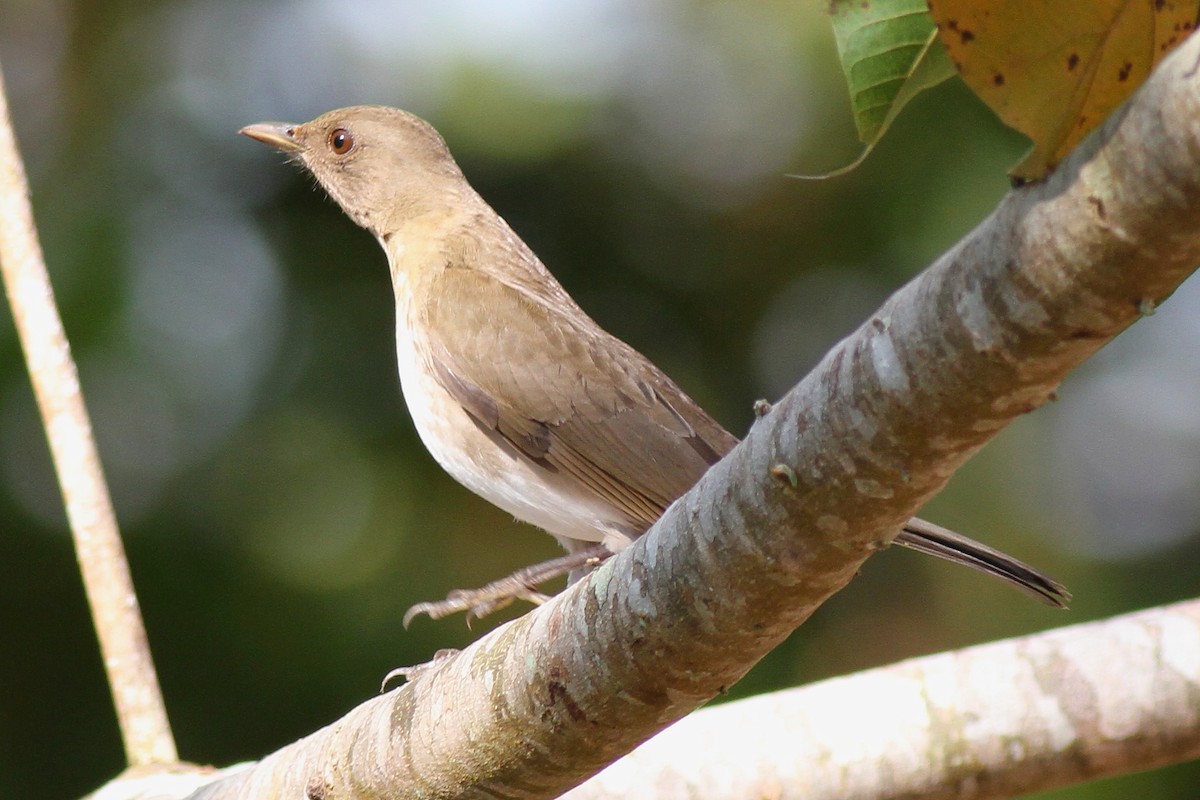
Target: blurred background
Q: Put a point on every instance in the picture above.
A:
(235, 337)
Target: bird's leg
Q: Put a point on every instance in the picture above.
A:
(521, 585)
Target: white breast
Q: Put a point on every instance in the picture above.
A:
(528, 492)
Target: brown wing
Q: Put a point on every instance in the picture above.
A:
(567, 395)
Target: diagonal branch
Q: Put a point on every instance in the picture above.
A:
(136, 695)
(997, 720)
(822, 481)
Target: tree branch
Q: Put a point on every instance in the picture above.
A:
(136, 695)
(994, 721)
(821, 482)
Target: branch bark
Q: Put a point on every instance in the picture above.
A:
(140, 711)
(994, 721)
(822, 481)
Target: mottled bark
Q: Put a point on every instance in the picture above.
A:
(994, 721)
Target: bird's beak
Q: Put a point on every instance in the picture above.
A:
(280, 135)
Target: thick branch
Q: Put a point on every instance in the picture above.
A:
(140, 710)
(821, 482)
(994, 721)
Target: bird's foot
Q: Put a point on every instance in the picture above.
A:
(521, 585)
(478, 603)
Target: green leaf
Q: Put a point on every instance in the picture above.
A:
(890, 53)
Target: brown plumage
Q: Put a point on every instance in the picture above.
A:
(515, 391)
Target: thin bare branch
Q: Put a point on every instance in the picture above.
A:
(123, 646)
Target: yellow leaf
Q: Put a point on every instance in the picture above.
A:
(1054, 69)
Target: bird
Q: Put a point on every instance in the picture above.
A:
(514, 390)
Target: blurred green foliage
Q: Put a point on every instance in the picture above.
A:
(234, 334)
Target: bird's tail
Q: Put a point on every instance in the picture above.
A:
(944, 543)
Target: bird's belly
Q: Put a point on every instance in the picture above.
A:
(500, 475)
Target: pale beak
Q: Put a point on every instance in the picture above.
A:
(280, 135)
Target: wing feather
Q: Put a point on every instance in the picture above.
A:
(567, 395)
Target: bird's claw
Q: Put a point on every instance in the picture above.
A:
(409, 674)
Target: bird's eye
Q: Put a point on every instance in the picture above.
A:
(340, 141)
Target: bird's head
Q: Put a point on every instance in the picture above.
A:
(382, 165)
